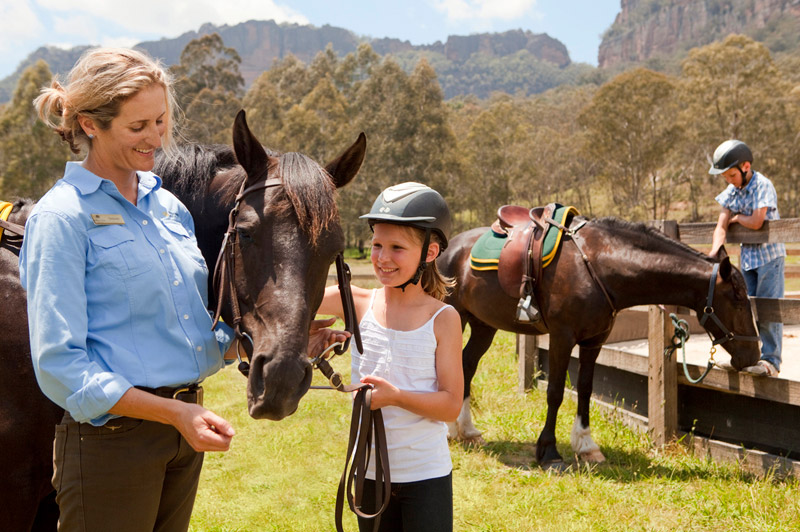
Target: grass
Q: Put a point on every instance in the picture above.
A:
(282, 476)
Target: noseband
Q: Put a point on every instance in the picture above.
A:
(708, 312)
(224, 271)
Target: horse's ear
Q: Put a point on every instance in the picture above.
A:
(345, 167)
(721, 254)
(249, 151)
(725, 268)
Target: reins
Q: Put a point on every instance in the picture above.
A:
(366, 425)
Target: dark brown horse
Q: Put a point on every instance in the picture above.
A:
(637, 265)
(287, 237)
(27, 417)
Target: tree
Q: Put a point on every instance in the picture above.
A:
(630, 131)
(209, 86)
(32, 156)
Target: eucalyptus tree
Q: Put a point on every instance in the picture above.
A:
(209, 87)
(630, 132)
(32, 156)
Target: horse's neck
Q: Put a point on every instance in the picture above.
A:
(659, 274)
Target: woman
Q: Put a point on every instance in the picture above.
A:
(120, 334)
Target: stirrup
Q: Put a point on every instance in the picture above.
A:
(527, 312)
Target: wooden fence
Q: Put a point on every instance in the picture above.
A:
(730, 415)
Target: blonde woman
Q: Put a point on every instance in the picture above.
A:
(116, 286)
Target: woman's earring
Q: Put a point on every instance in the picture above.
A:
(91, 136)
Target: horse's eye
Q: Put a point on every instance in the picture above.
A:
(244, 236)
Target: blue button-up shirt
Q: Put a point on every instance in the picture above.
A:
(758, 193)
(115, 302)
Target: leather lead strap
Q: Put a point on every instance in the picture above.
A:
(365, 424)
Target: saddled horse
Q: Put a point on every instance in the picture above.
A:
(285, 234)
(635, 265)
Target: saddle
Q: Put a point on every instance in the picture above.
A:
(522, 258)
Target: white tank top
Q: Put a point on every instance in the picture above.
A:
(418, 448)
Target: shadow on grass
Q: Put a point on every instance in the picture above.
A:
(620, 465)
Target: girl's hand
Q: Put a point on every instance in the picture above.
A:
(384, 393)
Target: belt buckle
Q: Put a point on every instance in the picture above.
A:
(196, 390)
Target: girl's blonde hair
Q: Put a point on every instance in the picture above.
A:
(97, 86)
(433, 282)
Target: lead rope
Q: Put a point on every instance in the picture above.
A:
(679, 340)
(366, 426)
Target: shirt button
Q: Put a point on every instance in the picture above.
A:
(186, 316)
(161, 251)
(199, 347)
(176, 282)
(144, 222)
(165, 214)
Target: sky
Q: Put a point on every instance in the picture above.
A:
(25, 25)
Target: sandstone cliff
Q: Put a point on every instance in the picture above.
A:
(645, 29)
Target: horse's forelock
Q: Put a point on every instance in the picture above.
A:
(311, 192)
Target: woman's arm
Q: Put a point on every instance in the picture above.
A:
(444, 404)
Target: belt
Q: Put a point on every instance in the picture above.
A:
(189, 393)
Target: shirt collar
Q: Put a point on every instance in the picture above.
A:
(86, 182)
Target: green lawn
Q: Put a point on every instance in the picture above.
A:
(282, 476)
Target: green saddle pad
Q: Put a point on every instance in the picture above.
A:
(485, 253)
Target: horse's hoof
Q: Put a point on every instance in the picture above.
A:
(594, 456)
(555, 466)
(473, 441)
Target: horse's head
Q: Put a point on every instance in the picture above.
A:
(731, 306)
(286, 238)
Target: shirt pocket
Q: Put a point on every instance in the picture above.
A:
(186, 242)
(116, 251)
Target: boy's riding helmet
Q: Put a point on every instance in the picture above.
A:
(729, 154)
(416, 205)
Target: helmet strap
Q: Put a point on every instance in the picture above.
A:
(423, 263)
(743, 174)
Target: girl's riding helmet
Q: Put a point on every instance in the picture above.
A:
(416, 205)
(729, 154)
(412, 204)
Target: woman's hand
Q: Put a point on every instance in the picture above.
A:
(203, 429)
(320, 336)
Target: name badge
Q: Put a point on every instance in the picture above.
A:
(108, 219)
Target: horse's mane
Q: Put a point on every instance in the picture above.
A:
(308, 189)
(644, 230)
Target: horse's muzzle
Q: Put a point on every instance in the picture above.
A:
(276, 385)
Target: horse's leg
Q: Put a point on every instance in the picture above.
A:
(581, 438)
(558, 359)
(480, 339)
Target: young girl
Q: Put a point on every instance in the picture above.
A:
(412, 356)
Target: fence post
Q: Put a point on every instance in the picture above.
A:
(528, 356)
(662, 381)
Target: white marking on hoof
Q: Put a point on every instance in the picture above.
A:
(466, 430)
(582, 443)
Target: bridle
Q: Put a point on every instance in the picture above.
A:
(224, 271)
(708, 312)
(365, 423)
